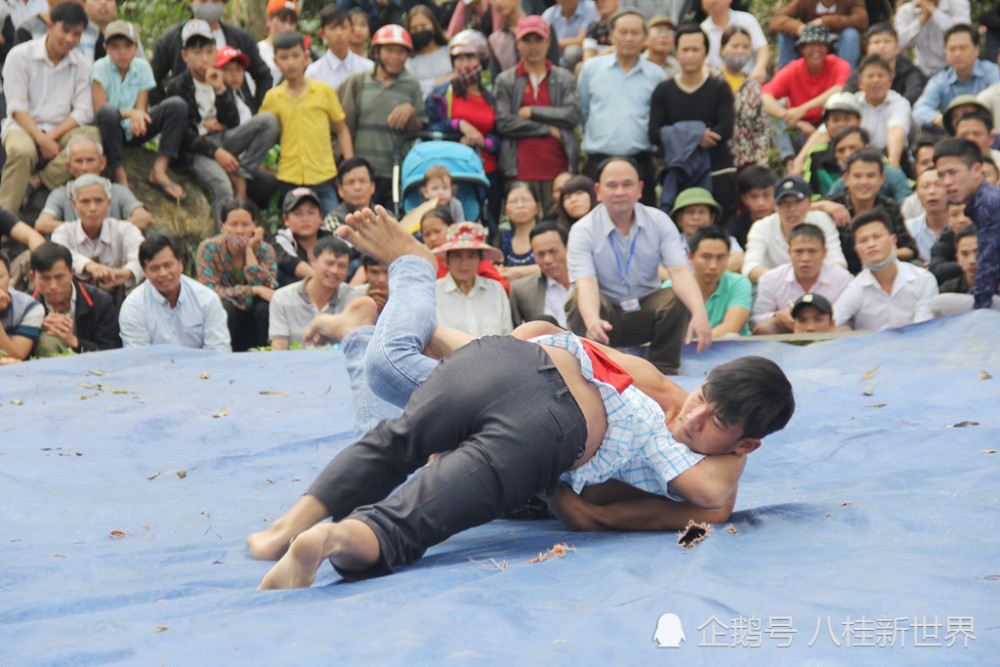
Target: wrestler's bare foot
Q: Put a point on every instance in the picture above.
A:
(271, 544)
(326, 329)
(382, 237)
(297, 568)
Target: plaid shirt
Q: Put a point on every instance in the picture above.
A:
(637, 448)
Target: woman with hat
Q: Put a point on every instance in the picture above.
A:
(465, 300)
(695, 208)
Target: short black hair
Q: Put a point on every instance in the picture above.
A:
(922, 142)
(809, 230)
(965, 232)
(334, 14)
(877, 214)
(963, 149)
(618, 158)
(197, 42)
(70, 14)
(333, 244)
(353, 163)
(45, 256)
(845, 132)
(752, 389)
(881, 28)
(236, 205)
(154, 243)
(443, 213)
(545, 227)
(869, 155)
(357, 11)
(4, 260)
(289, 40)
(960, 28)
(876, 60)
(985, 118)
(370, 260)
(708, 232)
(755, 177)
(691, 29)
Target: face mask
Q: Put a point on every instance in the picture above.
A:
(422, 38)
(237, 242)
(881, 265)
(466, 76)
(209, 12)
(736, 63)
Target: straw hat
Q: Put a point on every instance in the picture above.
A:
(469, 236)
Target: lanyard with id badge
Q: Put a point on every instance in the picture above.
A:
(629, 304)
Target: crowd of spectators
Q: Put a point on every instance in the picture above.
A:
(650, 171)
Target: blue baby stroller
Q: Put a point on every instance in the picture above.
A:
(462, 161)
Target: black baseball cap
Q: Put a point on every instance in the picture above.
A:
(297, 196)
(812, 299)
(792, 185)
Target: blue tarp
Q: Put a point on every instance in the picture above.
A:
(872, 518)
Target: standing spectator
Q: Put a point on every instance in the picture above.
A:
(750, 140)
(569, 20)
(430, 61)
(361, 32)
(721, 16)
(282, 17)
(846, 19)
(609, 126)
(20, 318)
(168, 60)
(907, 80)
(660, 43)
(240, 267)
(537, 111)
(966, 74)
(543, 296)
(339, 61)
(382, 104)
(306, 110)
(923, 24)
(379, 12)
(47, 84)
(597, 41)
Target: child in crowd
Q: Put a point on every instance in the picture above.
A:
(437, 184)
(434, 231)
(339, 61)
(361, 32)
(120, 85)
(282, 17)
(305, 109)
(233, 63)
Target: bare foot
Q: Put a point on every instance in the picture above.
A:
(270, 544)
(326, 329)
(379, 235)
(297, 568)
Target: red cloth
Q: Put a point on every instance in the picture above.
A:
(486, 270)
(795, 82)
(539, 158)
(476, 110)
(606, 370)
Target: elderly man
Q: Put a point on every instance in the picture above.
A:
(615, 252)
(543, 296)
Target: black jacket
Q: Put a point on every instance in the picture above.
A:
(95, 319)
(167, 62)
(226, 113)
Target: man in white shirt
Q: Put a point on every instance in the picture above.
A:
(926, 227)
(170, 308)
(923, 23)
(887, 293)
(339, 62)
(544, 296)
(808, 271)
(105, 250)
(767, 240)
(884, 112)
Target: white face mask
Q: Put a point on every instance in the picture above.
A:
(209, 12)
(880, 265)
(736, 62)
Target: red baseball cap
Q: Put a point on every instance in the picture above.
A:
(532, 24)
(227, 54)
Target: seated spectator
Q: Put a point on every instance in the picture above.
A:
(978, 128)
(808, 271)
(381, 103)
(434, 226)
(728, 296)
(750, 140)
(19, 231)
(561, 179)
(816, 162)
(240, 267)
(807, 82)
(961, 105)
(926, 227)
(20, 318)
(437, 185)
(965, 254)
(577, 198)
(722, 16)
(521, 209)
(101, 13)
(466, 301)
(755, 187)
(661, 33)
(845, 19)
(87, 157)
(294, 246)
(356, 189)
(282, 17)
(944, 264)
(924, 25)
(294, 306)
(105, 249)
(361, 32)
(887, 293)
(907, 80)
(767, 240)
(569, 20)
(339, 61)
(306, 110)
(884, 112)
(618, 299)
(379, 12)
(543, 296)
(965, 75)
(38, 26)
(863, 177)
(47, 87)
(77, 319)
(537, 112)
(694, 209)
(120, 88)
(849, 141)
(377, 287)
(214, 136)
(169, 308)
(168, 53)
(813, 314)
(923, 159)
(430, 61)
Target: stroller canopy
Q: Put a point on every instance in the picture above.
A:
(462, 161)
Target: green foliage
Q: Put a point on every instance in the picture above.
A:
(153, 17)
